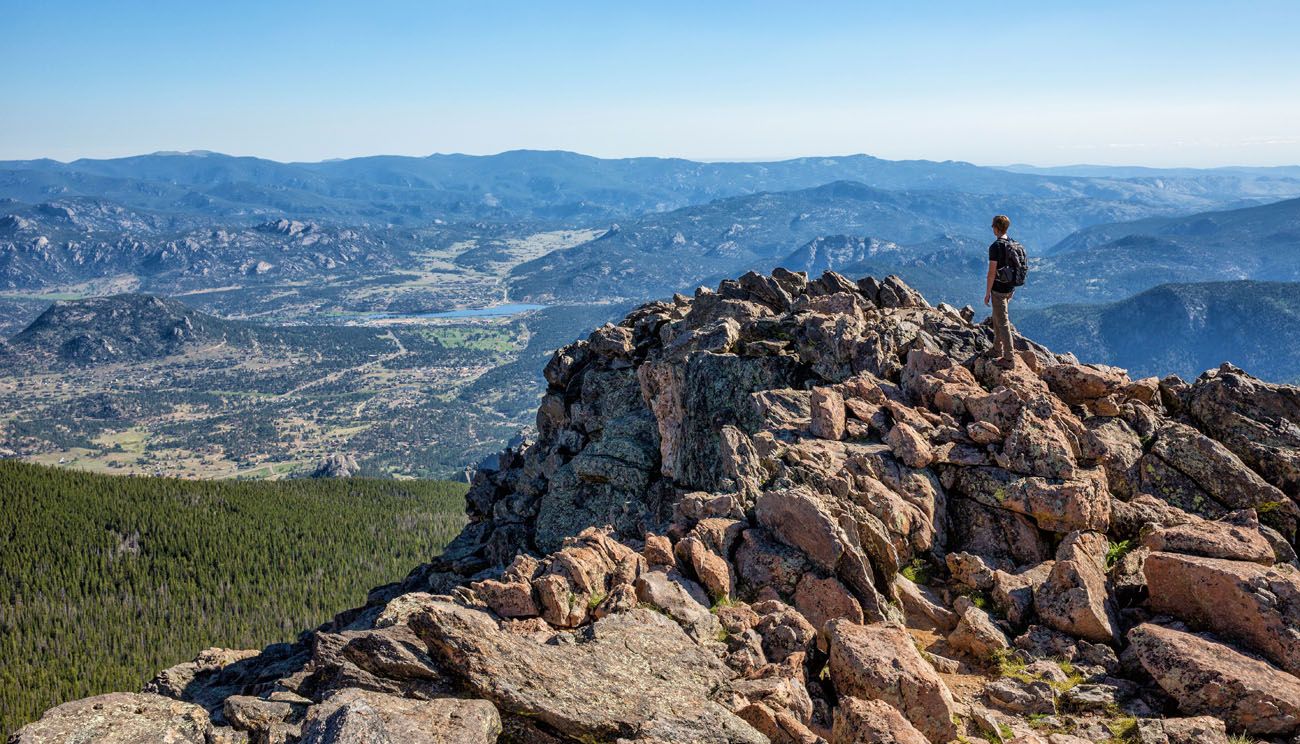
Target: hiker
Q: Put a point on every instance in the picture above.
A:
(1007, 269)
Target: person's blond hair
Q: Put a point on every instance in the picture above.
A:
(1002, 222)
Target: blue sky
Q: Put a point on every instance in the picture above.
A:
(1152, 83)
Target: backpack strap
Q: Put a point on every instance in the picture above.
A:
(1005, 242)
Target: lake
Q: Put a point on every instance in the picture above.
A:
(494, 311)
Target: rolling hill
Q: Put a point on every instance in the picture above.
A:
(255, 238)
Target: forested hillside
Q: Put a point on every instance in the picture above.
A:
(1183, 329)
(104, 580)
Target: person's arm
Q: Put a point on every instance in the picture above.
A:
(988, 281)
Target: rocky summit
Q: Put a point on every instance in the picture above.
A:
(797, 511)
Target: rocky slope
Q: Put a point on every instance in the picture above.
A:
(811, 511)
(929, 265)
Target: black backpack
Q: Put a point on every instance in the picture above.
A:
(1016, 267)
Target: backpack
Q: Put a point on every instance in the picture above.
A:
(1017, 263)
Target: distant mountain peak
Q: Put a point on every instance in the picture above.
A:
(189, 153)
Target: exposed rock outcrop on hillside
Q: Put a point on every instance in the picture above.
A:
(126, 327)
(812, 511)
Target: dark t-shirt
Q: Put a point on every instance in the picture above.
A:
(998, 252)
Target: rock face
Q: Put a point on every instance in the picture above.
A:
(1256, 605)
(1203, 476)
(1208, 677)
(812, 510)
(1235, 537)
(879, 662)
(337, 465)
(872, 722)
(357, 715)
(1075, 597)
(654, 676)
(977, 635)
(1254, 419)
(119, 718)
(1193, 730)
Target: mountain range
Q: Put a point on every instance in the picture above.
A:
(666, 252)
(1110, 262)
(300, 251)
(259, 238)
(930, 240)
(554, 185)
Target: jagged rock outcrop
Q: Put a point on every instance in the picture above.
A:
(798, 510)
(1254, 419)
(336, 465)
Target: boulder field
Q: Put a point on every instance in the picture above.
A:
(807, 511)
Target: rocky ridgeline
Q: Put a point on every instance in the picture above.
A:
(812, 511)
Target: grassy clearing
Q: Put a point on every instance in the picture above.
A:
(499, 338)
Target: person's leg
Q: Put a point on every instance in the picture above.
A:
(1002, 346)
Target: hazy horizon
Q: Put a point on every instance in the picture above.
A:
(1163, 84)
(806, 156)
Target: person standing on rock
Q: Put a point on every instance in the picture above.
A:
(1007, 269)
